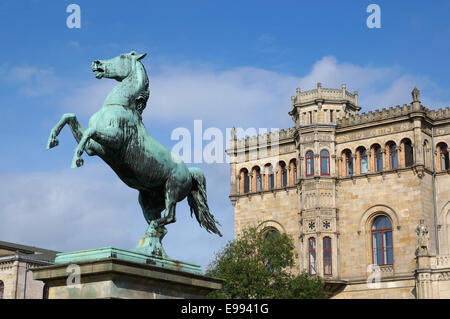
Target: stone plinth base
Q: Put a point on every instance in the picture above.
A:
(117, 278)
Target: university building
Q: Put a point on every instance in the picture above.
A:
(365, 196)
(16, 265)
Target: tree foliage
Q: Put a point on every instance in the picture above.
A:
(259, 265)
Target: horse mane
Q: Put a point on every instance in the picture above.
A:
(143, 96)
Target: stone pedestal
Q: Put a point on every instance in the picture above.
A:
(120, 276)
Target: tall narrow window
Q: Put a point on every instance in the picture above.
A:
(393, 157)
(270, 234)
(327, 269)
(408, 150)
(444, 158)
(363, 161)
(349, 163)
(283, 175)
(258, 180)
(292, 172)
(382, 251)
(271, 181)
(378, 159)
(331, 116)
(246, 182)
(2, 289)
(309, 163)
(310, 117)
(295, 175)
(324, 163)
(312, 256)
(45, 292)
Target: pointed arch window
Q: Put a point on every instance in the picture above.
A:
(309, 163)
(382, 250)
(324, 162)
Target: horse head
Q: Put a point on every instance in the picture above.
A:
(117, 68)
(126, 66)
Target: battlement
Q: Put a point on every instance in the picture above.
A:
(382, 114)
(439, 114)
(325, 94)
(262, 139)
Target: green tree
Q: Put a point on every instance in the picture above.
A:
(259, 265)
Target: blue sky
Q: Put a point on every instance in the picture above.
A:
(226, 63)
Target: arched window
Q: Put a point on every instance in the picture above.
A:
(425, 153)
(443, 156)
(283, 174)
(382, 251)
(244, 182)
(270, 233)
(327, 264)
(363, 162)
(270, 179)
(309, 163)
(378, 159)
(393, 156)
(2, 289)
(348, 163)
(408, 150)
(256, 179)
(324, 163)
(292, 172)
(312, 255)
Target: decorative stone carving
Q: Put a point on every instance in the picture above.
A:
(423, 239)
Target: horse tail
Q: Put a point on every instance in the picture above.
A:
(198, 204)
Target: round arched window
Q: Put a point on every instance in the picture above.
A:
(382, 250)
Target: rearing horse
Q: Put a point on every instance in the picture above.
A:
(117, 135)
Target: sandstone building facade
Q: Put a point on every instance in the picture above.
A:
(16, 265)
(365, 196)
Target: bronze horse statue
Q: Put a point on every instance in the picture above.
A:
(117, 134)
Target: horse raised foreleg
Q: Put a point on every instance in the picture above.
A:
(68, 118)
(110, 137)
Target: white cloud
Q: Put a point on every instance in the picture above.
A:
(254, 97)
(34, 81)
(66, 210)
(89, 207)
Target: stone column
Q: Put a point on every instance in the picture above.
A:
(401, 155)
(241, 182)
(278, 179)
(357, 164)
(437, 157)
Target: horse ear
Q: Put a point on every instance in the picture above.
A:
(141, 56)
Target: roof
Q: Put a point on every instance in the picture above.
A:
(29, 251)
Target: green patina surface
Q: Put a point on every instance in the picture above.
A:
(117, 134)
(124, 254)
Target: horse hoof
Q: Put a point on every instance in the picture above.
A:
(52, 143)
(80, 162)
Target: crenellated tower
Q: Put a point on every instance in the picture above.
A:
(315, 113)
